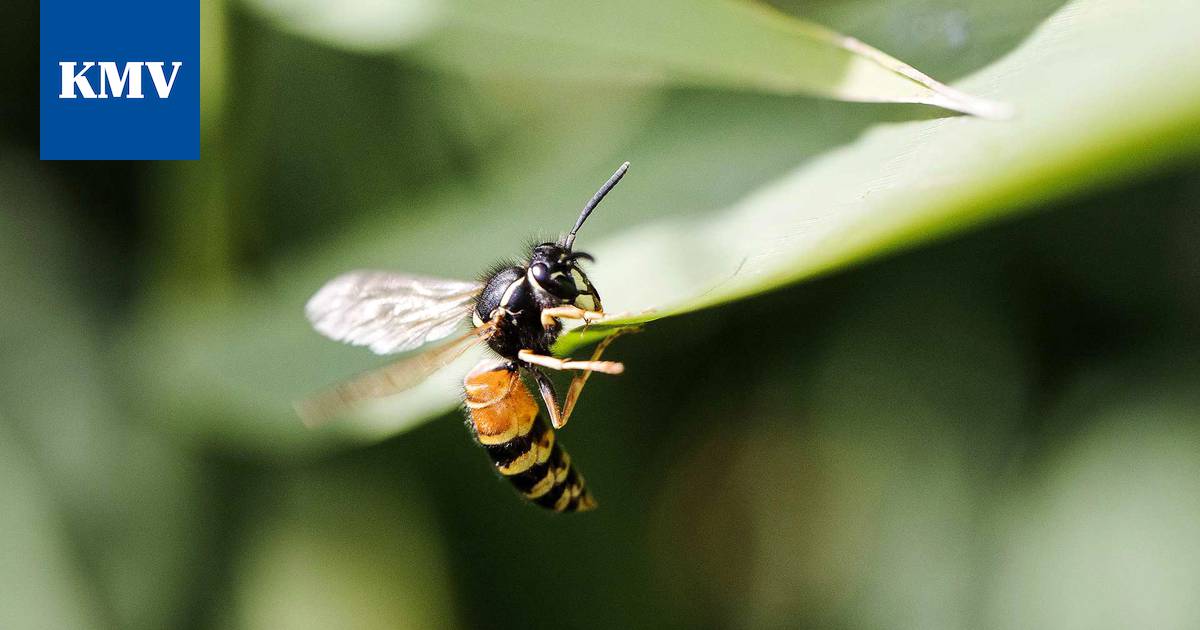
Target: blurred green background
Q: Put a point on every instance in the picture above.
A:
(998, 429)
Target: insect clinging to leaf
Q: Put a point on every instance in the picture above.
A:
(517, 310)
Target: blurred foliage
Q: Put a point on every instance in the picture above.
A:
(738, 194)
(997, 430)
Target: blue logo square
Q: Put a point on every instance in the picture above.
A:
(120, 80)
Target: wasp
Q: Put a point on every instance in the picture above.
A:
(517, 311)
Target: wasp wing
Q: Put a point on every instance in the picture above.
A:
(390, 312)
(387, 380)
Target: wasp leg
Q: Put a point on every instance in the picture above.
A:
(555, 363)
(559, 418)
(546, 387)
(577, 383)
(569, 311)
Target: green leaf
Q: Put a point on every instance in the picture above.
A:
(732, 44)
(729, 196)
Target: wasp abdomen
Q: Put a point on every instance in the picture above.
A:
(507, 422)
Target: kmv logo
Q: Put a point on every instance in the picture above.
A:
(76, 84)
(120, 80)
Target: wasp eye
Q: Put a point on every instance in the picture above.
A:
(553, 280)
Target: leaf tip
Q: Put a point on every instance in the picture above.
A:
(974, 106)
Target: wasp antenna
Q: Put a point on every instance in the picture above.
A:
(595, 201)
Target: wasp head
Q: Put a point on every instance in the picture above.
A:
(554, 270)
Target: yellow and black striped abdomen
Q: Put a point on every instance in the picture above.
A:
(508, 423)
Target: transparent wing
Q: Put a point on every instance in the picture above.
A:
(387, 380)
(390, 312)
